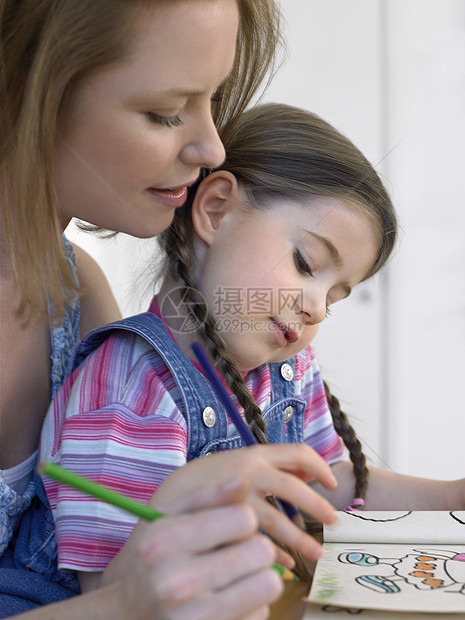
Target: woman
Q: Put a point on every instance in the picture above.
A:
(107, 116)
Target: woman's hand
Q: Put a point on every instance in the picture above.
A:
(282, 470)
(207, 564)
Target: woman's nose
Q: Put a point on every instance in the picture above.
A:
(204, 149)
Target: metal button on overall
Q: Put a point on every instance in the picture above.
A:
(288, 413)
(287, 372)
(209, 417)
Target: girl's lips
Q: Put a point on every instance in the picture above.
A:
(175, 197)
(292, 336)
(279, 333)
(284, 335)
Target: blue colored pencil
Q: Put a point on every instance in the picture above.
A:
(242, 428)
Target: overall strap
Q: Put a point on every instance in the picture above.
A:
(282, 379)
(205, 416)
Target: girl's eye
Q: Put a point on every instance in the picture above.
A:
(301, 263)
(165, 121)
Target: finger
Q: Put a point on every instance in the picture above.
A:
(255, 592)
(232, 491)
(199, 532)
(277, 525)
(244, 599)
(302, 461)
(284, 558)
(294, 490)
(217, 570)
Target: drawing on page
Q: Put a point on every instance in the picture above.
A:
(424, 569)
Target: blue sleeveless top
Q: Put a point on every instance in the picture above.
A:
(64, 339)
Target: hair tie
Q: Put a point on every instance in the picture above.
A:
(357, 504)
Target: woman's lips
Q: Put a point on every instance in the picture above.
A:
(175, 197)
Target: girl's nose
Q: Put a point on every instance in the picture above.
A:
(314, 309)
(204, 149)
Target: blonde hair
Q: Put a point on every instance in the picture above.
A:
(46, 47)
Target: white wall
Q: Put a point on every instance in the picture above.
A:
(391, 75)
(426, 78)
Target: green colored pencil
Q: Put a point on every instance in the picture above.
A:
(97, 490)
(122, 501)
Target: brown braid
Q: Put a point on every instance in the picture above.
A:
(356, 455)
(180, 266)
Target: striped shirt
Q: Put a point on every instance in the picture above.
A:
(119, 420)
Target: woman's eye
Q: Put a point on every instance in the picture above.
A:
(217, 97)
(165, 121)
(328, 311)
(301, 263)
(215, 102)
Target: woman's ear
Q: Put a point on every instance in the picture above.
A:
(214, 197)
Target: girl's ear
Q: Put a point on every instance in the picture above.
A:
(215, 196)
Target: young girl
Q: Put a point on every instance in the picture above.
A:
(108, 112)
(287, 226)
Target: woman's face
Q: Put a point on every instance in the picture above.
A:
(138, 132)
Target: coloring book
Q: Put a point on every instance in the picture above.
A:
(396, 561)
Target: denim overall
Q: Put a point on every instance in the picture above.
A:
(207, 421)
(29, 576)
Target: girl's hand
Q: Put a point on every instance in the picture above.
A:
(282, 470)
(210, 564)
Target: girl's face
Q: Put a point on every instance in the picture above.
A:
(137, 132)
(269, 276)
